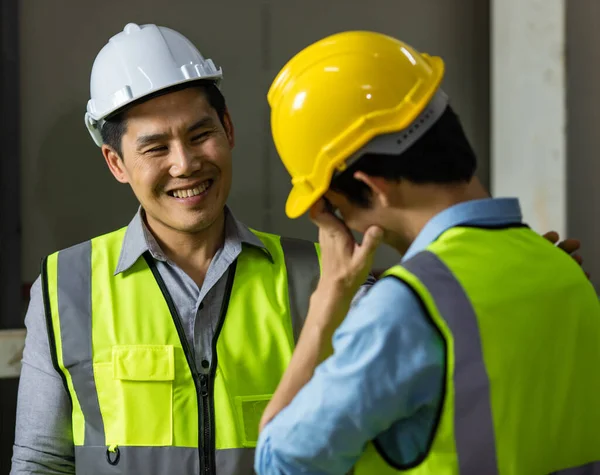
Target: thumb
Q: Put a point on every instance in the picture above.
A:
(371, 240)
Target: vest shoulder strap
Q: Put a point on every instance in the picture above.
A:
(303, 267)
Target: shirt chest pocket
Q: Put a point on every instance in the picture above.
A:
(135, 394)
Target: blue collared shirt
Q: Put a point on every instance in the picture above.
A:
(384, 379)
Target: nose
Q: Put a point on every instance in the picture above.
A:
(183, 161)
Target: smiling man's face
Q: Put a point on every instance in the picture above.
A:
(176, 156)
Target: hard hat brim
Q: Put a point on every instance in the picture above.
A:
(299, 202)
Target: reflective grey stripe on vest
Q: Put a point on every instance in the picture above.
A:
(473, 424)
(75, 310)
(160, 460)
(588, 469)
(303, 272)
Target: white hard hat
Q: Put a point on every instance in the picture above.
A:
(137, 62)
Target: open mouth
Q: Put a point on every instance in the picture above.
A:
(191, 192)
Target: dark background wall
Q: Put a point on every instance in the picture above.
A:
(10, 236)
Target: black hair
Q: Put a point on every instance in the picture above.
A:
(443, 155)
(116, 125)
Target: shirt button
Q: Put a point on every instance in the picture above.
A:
(205, 364)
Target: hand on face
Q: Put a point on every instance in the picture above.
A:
(345, 263)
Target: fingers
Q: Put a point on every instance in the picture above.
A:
(371, 240)
(318, 208)
(326, 221)
(577, 258)
(372, 237)
(570, 245)
(321, 215)
(552, 236)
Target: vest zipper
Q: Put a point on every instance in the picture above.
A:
(209, 409)
(189, 356)
(203, 383)
(207, 419)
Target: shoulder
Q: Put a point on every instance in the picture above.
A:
(390, 293)
(107, 238)
(390, 306)
(291, 246)
(281, 237)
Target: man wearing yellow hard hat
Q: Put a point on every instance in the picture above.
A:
(479, 352)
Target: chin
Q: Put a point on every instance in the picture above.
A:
(357, 222)
(353, 224)
(200, 220)
(192, 226)
(191, 219)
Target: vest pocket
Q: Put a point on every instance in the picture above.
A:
(137, 405)
(250, 410)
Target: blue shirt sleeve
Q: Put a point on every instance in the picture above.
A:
(388, 364)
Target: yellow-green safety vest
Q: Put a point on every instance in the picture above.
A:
(521, 326)
(139, 403)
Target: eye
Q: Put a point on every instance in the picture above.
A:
(159, 149)
(200, 137)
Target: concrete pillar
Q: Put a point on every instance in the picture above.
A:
(528, 151)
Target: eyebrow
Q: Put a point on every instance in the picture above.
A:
(145, 140)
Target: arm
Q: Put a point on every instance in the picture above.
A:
(43, 438)
(345, 266)
(388, 363)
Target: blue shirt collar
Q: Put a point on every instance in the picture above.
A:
(484, 212)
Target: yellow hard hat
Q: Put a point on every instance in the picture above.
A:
(336, 95)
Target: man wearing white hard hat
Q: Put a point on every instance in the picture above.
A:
(154, 349)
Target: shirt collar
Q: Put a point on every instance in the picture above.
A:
(484, 212)
(138, 240)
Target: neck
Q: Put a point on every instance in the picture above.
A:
(192, 252)
(423, 202)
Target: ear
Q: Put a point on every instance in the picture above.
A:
(380, 188)
(229, 128)
(115, 164)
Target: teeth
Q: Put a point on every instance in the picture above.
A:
(192, 191)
